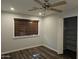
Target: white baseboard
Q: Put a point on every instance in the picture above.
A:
(58, 52)
(19, 49)
(51, 48)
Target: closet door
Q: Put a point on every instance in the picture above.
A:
(70, 33)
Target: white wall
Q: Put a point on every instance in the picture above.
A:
(70, 13)
(53, 33)
(50, 31)
(53, 30)
(60, 35)
(8, 42)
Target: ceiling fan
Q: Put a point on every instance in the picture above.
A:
(48, 6)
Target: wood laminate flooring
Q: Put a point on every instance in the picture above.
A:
(40, 52)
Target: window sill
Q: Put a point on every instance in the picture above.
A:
(29, 36)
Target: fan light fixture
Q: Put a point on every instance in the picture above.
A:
(40, 13)
(12, 9)
(30, 22)
(45, 5)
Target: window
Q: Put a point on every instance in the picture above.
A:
(25, 27)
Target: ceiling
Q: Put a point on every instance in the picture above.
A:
(22, 6)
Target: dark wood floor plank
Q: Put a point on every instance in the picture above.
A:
(27, 53)
(5, 56)
(20, 55)
(53, 52)
(17, 56)
(42, 56)
(41, 52)
(46, 55)
(13, 55)
(24, 54)
(49, 53)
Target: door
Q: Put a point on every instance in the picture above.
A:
(70, 35)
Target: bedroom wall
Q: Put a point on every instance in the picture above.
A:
(9, 42)
(53, 33)
(70, 13)
(50, 33)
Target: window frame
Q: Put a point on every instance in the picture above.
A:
(24, 36)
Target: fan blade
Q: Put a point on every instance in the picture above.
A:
(38, 1)
(53, 9)
(34, 8)
(58, 3)
(46, 0)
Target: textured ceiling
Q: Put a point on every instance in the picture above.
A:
(22, 6)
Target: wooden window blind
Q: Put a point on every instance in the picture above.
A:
(25, 27)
